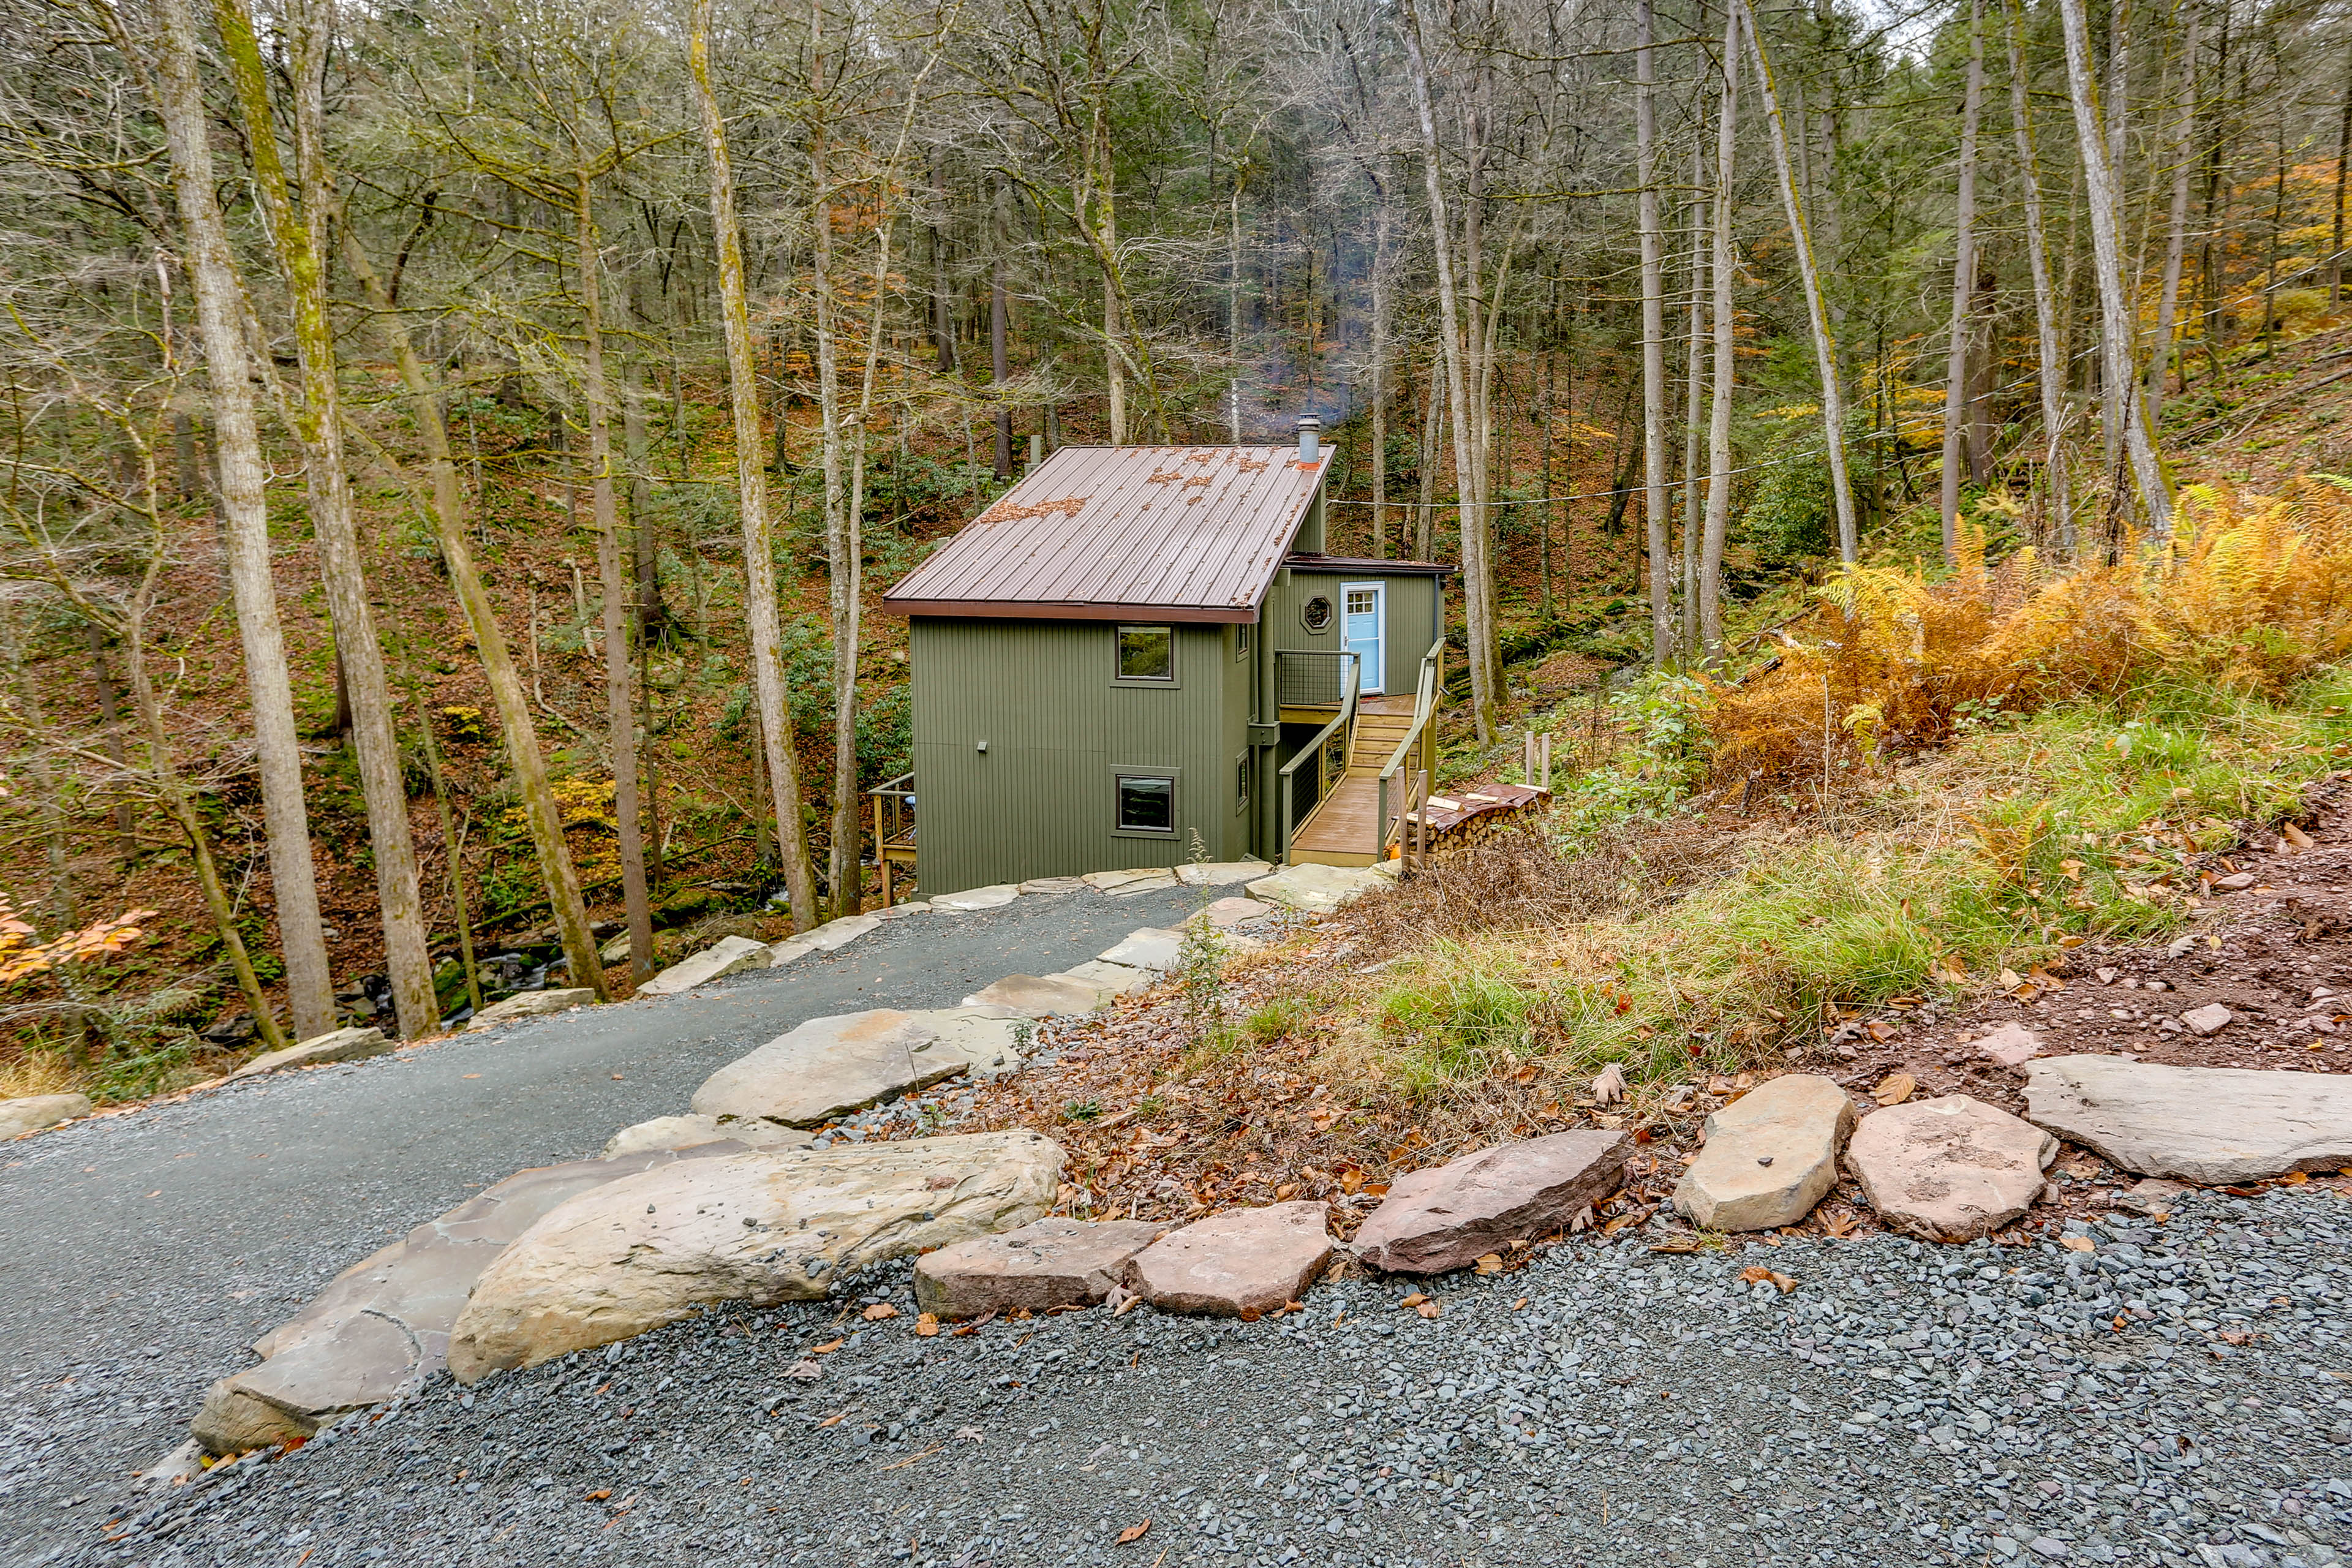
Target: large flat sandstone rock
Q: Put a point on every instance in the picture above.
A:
(383, 1325)
(1314, 888)
(1135, 879)
(1221, 873)
(693, 1132)
(1239, 1263)
(830, 937)
(763, 1227)
(1043, 996)
(342, 1045)
(35, 1111)
(2213, 1126)
(1151, 947)
(1053, 1263)
(1950, 1169)
(728, 956)
(532, 1004)
(973, 900)
(1769, 1156)
(988, 1038)
(1449, 1216)
(830, 1067)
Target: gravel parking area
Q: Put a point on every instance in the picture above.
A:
(140, 1254)
(2177, 1393)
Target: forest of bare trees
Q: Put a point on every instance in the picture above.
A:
(451, 452)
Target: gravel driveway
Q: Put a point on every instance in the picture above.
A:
(1900, 1404)
(139, 1255)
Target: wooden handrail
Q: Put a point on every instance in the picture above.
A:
(1425, 707)
(1345, 717)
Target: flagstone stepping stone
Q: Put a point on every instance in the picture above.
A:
(1117, 979)
(35, 1111)
(976, 899)
(693, 1132)
(1769, 1156)
(987, 1037)
(383, 1326)
(532, 1004)
(1055, 885)
(1041, 996)
(1449, 1216)
(1219, 873)
(730, 955)
(342, 1045)
(1053, 1263)
(830, 1067)
(1227, 913)
(2212, 1126)
(1949, 1169)
(900, 911)
(1139, 880)
(1240, 1263)
(1152, 947)
(1316, 889)
(830, 937)
(763, 1227)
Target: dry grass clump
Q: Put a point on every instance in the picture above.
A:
(2252, 592)
(1523, 878)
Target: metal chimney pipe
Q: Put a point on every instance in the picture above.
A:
(1310, 434)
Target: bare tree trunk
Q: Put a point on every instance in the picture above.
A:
(1479, 633)
(999, 365)
(1433, 410)
(1718, 484)
(1656, 511)
(237, 454)
(2176, 236)
(543, 818)
(1694, 392)
(2052, 362)
(2111, 387)
(2116, 319)
(299, 237)
(1234, 307)
(1382, 303)
(2343, 166)
(1825, 354)
(943, 344)
(619, 715)
(1964, 283)
(751, 482)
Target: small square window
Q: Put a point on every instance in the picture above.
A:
(1146, 804)
(1147, 653)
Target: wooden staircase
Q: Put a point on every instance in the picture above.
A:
(1340, 830)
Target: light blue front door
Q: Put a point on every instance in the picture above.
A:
(1364, 630)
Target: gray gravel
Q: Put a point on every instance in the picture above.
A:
(139, 1254)
(1903, 1404)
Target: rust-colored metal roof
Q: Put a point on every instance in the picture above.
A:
(1183, 533)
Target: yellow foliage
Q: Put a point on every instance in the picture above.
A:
(2252, 591)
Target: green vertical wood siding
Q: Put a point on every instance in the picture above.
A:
(1412, 619)
(1041, 801)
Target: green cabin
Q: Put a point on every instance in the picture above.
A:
(1138, 647)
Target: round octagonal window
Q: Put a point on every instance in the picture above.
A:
(1316, 613)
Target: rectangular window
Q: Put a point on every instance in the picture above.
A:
(1146, 804)
(1147, 653)
(1361, 601)
(1242, 640)
(1241, 783)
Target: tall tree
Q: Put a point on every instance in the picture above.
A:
(751, 484)
(1964, 288)
(1656, 514)
(240, 470)
(298, 216)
